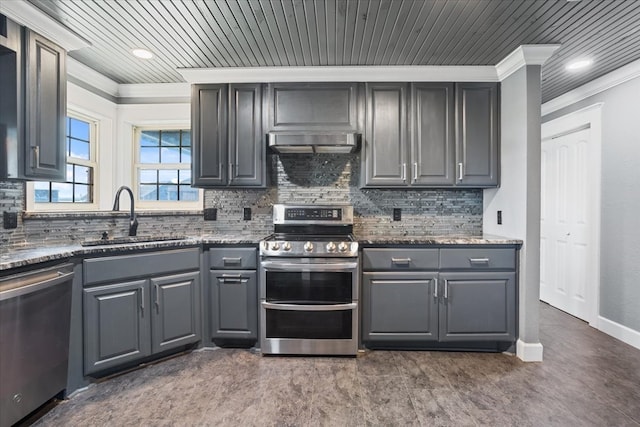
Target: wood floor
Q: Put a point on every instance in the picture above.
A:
(587, 379)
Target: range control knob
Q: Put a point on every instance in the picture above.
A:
(275, 246)
(331, 247)
(342, 247)
(308, 247)
(286, 246)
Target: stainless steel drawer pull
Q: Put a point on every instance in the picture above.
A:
(435, 288)
(460, 172)
(142, 300)
(479, 260)
(404, 261)
(446, 289)
(157, 302)
(231, 261)
(232, 278)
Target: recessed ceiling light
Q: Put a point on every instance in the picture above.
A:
(578, 64)
(142, 53)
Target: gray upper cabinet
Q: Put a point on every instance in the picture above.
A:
(432, 134)
(477, 134)
(228, 138)
(313, 107)
(437, 135)
(33, 106)
(385, 153)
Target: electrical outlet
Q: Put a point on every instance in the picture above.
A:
(499, 217)
(210, 214)
(246, 214)
(397, 214)
(10, 220)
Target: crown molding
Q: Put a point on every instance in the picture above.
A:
(527, 54)
(91, 77)
(617, 77)
(341, 74)
(30, 16)
(153, 90)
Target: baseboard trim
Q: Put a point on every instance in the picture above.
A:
(529, 352)
(621, 332)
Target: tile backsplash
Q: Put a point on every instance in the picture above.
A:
(294, 178)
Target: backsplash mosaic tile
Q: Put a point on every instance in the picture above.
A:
(295, 178)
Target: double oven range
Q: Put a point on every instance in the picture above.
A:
(309, 282)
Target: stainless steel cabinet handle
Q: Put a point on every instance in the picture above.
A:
(460, 172)
(400, 260)
(230, 171)
(232, 278)
(479, 260)
(157, 302)
(304, 307)
(404, 172)
(446, 289)
(231, 261)
(142, 299)
(435, 288)
(36, 152)
(415, 171)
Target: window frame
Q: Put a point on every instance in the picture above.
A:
(33, 206)
(136, 166)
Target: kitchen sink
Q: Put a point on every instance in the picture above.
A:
(130, 239)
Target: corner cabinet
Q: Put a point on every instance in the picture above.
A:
(439, 298)
(431, 135)
(137, 306)
(33, 111)
(229, 147)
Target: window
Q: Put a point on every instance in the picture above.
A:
(163, 168)
(79, 185)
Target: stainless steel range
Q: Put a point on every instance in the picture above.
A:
(309, 282)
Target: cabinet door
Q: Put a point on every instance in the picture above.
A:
(175, 311)
(247, 146)
(432, 134)
(45, 109)
(116, 324)
(478, 306)
(209, 135)
(477, 134)
(399, 307)
(233, 304)
(313, 107)
(385, 146)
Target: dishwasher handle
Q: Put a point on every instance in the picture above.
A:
(36, 285)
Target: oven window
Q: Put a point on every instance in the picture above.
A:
(309, 324)
(309, 287)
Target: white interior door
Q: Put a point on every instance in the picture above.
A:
(566, 246)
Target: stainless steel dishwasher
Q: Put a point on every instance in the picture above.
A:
(35, 310)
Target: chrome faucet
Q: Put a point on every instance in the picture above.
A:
(133, 221)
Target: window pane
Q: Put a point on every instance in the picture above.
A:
(148, 176)
(148, 192)
(170, 155)
(185, 176)
(149, 155)
(150, 138)
(83, 174)
(185, 155)
(79, 149)
(78, 129)
(61, 192)
(167, 192)
(188, 193)
(82, 193)
(69, 172)
(186, 138)
(168, 176)
(41, 190)
(171, 138)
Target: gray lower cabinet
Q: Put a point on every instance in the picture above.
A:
(400, 306)
(229, 145)
(138, 305)
(451, 295)
(232, 295)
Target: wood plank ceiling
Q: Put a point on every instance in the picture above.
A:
(262, 33)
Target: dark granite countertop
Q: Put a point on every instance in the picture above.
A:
(30, 256)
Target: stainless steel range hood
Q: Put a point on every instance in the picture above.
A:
(313, 142)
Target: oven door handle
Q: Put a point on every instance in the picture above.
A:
(310, 307)
(291, 266)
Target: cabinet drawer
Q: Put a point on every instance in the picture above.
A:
(233, 258)
(399, 259)
(478, 258)
(112, 268)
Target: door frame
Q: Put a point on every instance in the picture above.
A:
(588, 117)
